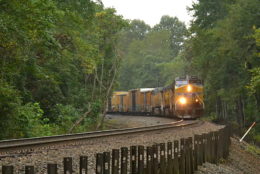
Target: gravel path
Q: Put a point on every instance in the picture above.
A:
(93, 146)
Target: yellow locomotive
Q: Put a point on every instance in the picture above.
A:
(182, 99)
(188, 98)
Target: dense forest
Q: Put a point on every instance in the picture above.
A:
(58, 65)
(221, 46)
(61, 60)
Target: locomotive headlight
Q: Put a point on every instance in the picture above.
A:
(189, 88)
(197, 100)
(183, 100)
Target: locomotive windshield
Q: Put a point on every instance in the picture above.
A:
(180, 83)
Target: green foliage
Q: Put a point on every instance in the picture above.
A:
(31, 121)
(149, 54)
(223, 49)
(253, 149)
(55, 60)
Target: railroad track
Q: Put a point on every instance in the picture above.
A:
(30, 144)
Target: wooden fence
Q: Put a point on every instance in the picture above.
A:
(178, 157)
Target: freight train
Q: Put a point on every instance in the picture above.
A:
(182, 99)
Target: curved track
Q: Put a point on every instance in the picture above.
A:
(29, 144)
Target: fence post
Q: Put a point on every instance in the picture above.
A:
(225, 143)
(196, 156)
(215, 147)
(169, 158)
(29, 169)
(115, 161)
(176, 167)
(187, 156)
(124, 157)
(140, 159)
(220, 144)
(67, 164)
(149, 157)
(228, 138)
(8, 169)
(209, 144)
(99, 163)
(83, 165)
(200, 150)
(191, 155)
(214, 158)
(133, 160)
(106, 163)
(182, 157)
(52, 169)
(162, 159)
(204, 147)
(155, 159)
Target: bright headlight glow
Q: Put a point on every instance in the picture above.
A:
(183, 100)
(189, 88)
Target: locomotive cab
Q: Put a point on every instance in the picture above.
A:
(188, 97)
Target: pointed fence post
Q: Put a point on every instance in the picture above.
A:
(83, 165)
(169, 158)
(176, 159)
(124, 159)
(162, 159)
(52, 169)
(182, 157)
(133, 160)
(29, 169)
(106, 163)
(155, 159)
(7, 169)
(149, 158)
(140, 159)
(115, 161)
(196, 155)
(99, 163)
(191, 155)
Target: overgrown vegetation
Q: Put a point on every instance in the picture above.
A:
(58, 62)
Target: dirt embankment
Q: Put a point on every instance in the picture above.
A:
(240, 161)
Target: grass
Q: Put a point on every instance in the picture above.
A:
(110, 124)
(253, 149)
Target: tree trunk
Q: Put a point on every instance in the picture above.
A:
(80, 119)
(240, 112)
(115, 68)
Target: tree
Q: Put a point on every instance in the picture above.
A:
(221, 48)
(176, 28)
(56, 58)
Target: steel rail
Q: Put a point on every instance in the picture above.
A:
(29, 142)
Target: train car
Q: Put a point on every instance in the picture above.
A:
(139, 100)
(119, 102)
(168, 100)
(188, 97)
(156, 101)
(146, 100)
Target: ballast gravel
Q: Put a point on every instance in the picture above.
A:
(89, 148)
